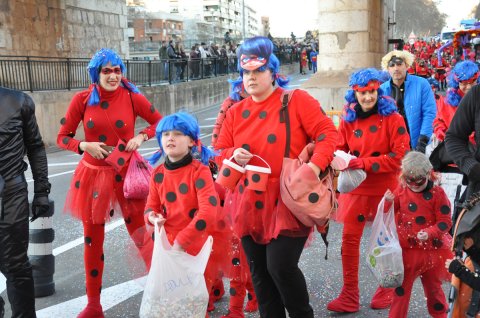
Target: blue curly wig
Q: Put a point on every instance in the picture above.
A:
(462, 71)
(188, 125)
(101, 58)
(385, 104)
(262, 47)
(433, 82)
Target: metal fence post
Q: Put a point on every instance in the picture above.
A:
(69, 74)
(41, 237)
(29, 69)
(149, 73)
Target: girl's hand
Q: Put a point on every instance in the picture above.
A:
(389, 196)
(156, 218)
(177, 247)
(135, 143)
(447, 263)
(94, 148)
(422, 236)
(242, 156)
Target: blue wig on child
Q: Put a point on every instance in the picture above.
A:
(262, 47)
(188, 125)
(363, 79)
(101, 58)
(463, 71)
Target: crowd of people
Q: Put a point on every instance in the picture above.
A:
(386, 126)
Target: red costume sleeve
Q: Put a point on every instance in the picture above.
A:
(147, 111)
(73, 117)
(443, 216)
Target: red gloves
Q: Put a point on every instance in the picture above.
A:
(356, 164)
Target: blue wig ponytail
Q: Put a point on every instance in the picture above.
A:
(188, 125)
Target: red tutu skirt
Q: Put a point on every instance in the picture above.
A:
(354, 208)
(96, 193)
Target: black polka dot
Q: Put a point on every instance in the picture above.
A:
(95, 194)
(77, 184)
(183, 188)
(200, 225)
(445, 209)
(271, 138)
(233, 292)
(63, 121)
(65, 140)
(358, 133)
(375, 166)
(392, 154)
(376, 154)
(313, 197)
(240, 188)
(442, 226)
(88, 240)
(427, 195)
(249, 296)
(104, 105)
(321, 137)
(90, 124)
(94, 273)
(118, 178)
(245, 113)
(276, 202)
(437, 243)
(200, 183)
(438, 307)
(258, 192)
(158, 178)
(112, 211)
(222, 202)
(356, 153)
(119, 123)
(121, 147)
(171, 196)
(255, 177)
(102, 258)
(246, 147)
(245, 182)
(361, 218)
(226, 172)
(128, 220)
(236, 261)
(399, 291)
(401, 130)
(412, 207)
(262, 115)
(216, 292)
(192, 213)
(152, 109)
(153, 236)
(259, 204)
(121, 161)
(102, 138)
(212, 200)
(373, 128)
(420, 220)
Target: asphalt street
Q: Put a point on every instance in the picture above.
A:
(122, 283)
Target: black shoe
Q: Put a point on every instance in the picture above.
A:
(2, 307)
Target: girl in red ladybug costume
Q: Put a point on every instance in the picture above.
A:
(375, 133)
(108, 110)
(423, 218)
(273, 239)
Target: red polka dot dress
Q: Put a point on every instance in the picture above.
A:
(256, 127)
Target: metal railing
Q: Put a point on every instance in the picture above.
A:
(31, 73)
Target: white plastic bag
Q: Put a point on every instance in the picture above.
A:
(350, 179)
(175, 285)
(384, 254)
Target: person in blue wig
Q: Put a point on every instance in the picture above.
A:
(108, 110)
(375, 133)
(254, 132)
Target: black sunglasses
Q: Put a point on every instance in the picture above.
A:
(393, 63)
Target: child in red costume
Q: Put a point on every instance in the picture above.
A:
(375, 133)
(182, 195)
(108, 110)
(423, 218)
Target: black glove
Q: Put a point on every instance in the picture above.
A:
(40, 206)
(455, 267)
(474, 174)
(422, 143)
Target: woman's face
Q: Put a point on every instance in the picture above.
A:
(110, 77)
(176, 144)
(367, 99)
(258, 83)
(465, 87)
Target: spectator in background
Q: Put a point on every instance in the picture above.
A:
(172, 56)
(163, 55)
(313, 58)
(194, 61)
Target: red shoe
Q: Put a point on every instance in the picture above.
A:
(347, 301)
(382, 298)
(92, 311)
(252, 304)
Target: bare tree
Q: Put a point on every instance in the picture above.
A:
(420, 16)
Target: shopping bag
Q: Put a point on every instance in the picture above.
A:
(137, 180)
(350, 179)
(175, 285)
(384, 254)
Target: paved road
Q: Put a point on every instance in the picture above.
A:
(122, 291)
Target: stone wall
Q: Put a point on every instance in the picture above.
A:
(62, 28)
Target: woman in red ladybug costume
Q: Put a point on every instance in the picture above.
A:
(108, 110)
(374, 132)
(273, 239)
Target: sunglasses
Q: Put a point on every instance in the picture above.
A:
(108, 71)
(393, 63)
(415, 181)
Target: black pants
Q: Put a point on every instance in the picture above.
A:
(14, 263)
(278, 282)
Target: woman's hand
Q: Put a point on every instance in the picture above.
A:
(135, 143)
(389, 196)
(315, 168)
(447, 263)
(242, 156)
(94, 149)
(156, 218)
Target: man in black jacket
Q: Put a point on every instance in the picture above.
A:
(19, 135)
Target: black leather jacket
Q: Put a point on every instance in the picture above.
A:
(19, 135)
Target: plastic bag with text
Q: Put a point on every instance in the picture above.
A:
(384, 254)
(175, 284)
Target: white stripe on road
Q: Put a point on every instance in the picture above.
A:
(294, 85)
(111, 297)
(211, 118)
(207, 126)
(303, 80)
